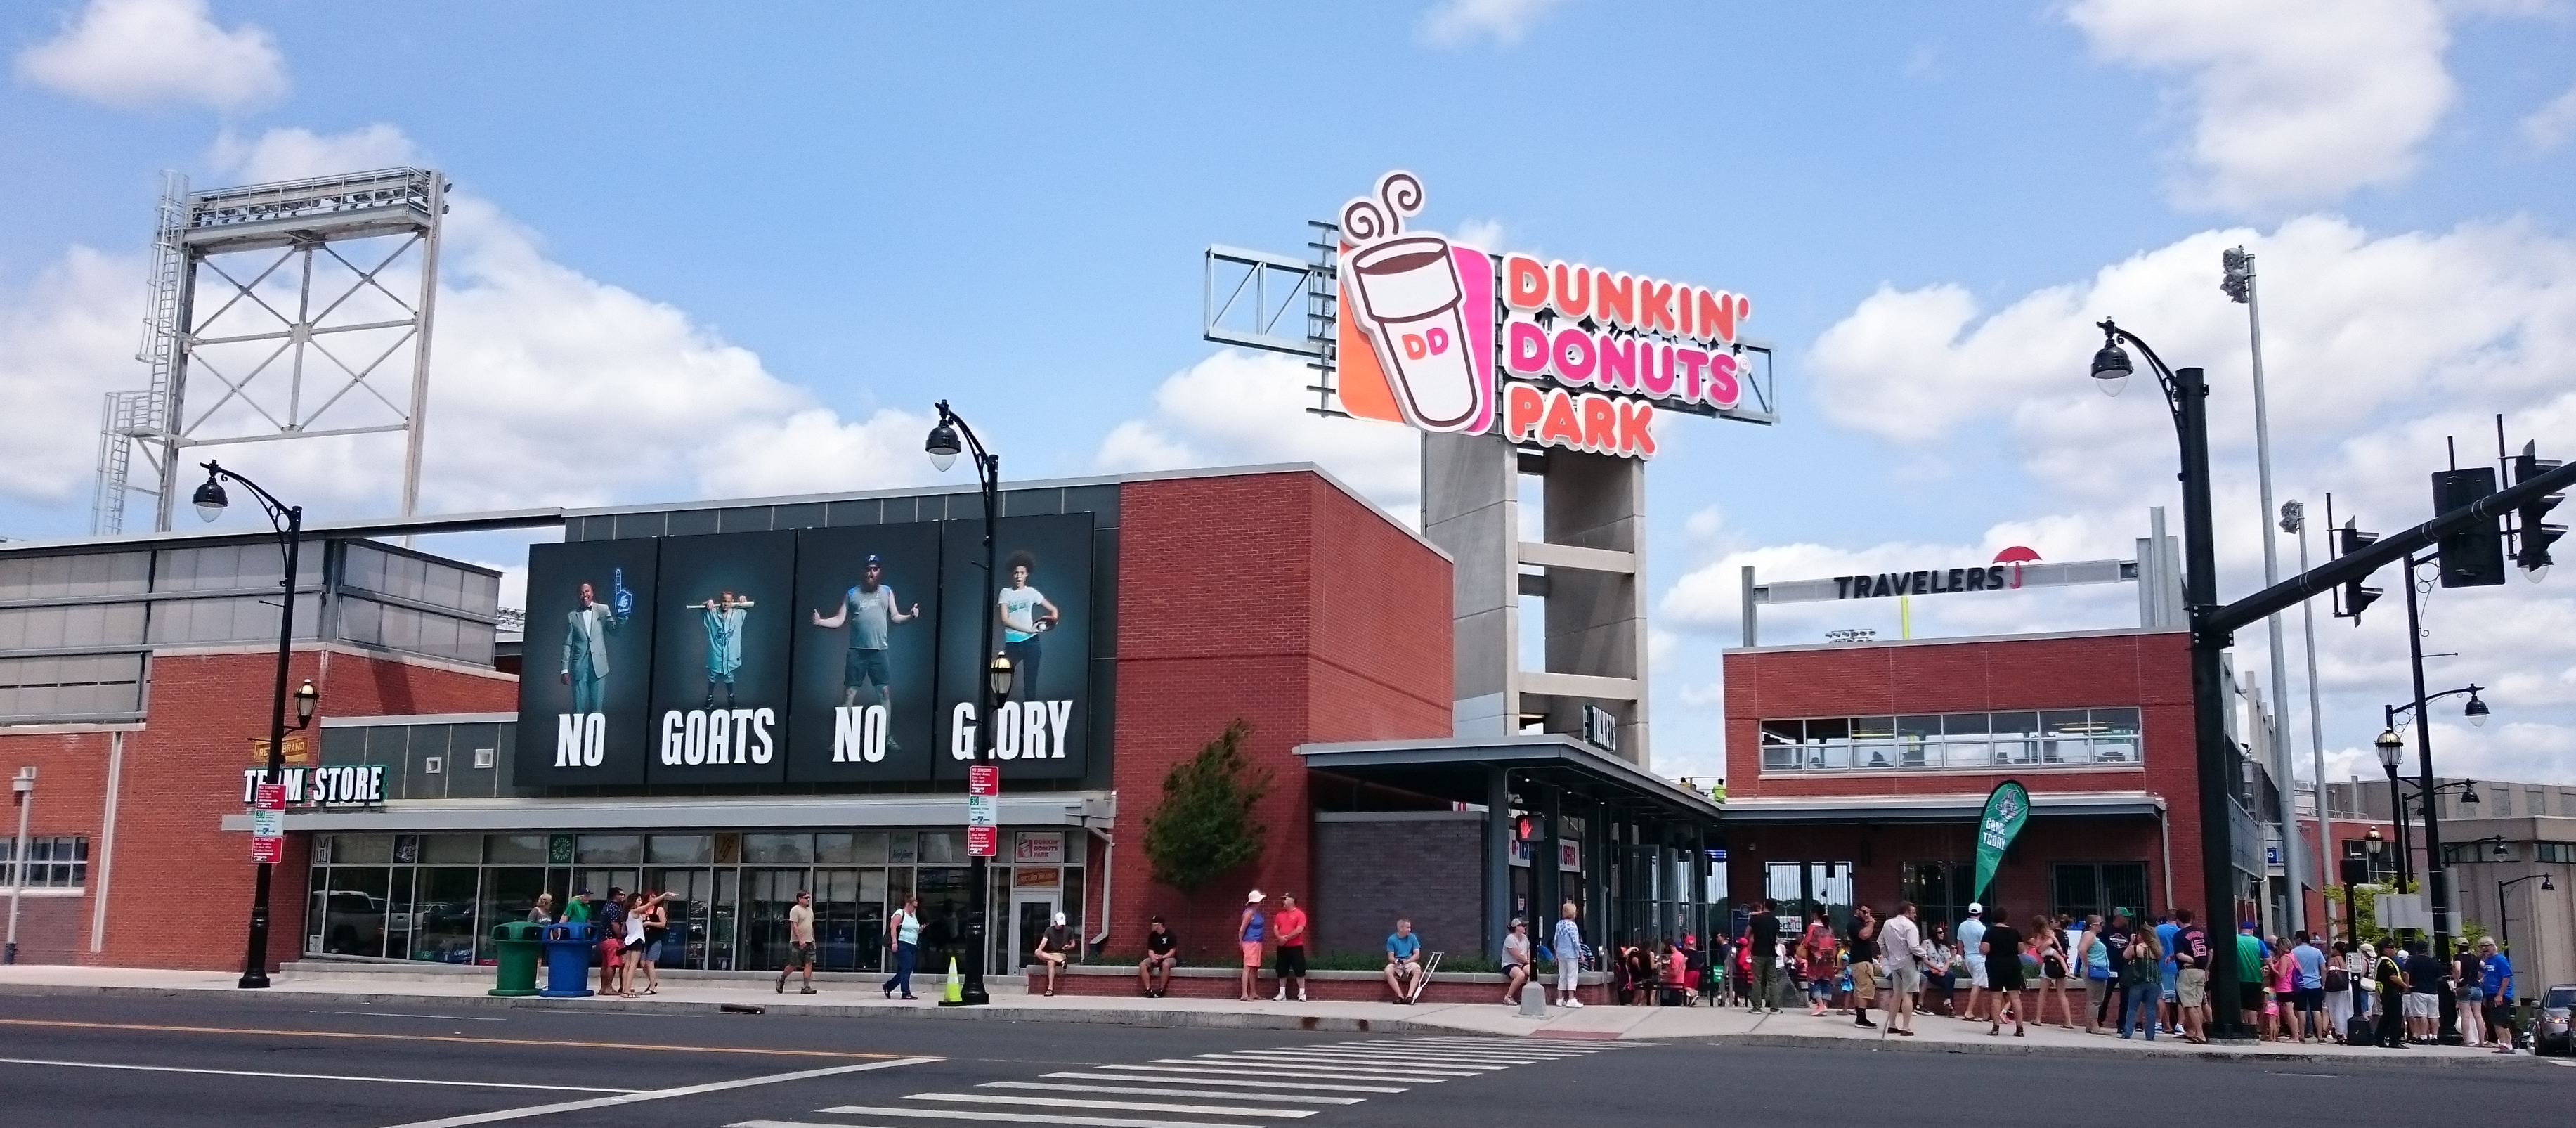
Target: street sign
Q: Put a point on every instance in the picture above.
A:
(268, 823)
(983, 809)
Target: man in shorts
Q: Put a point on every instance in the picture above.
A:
(2423, 993)
(2168, 970)
(2252, 958)
(2191, 976)
(611, 921)
(1864, 966)
(1162, 954)
(800, 942)
(1900, 943)
(2308, 995)
(1403, 960)
(1291, 927)
(872, 613)
(1972, 935)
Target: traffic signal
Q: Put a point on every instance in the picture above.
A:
(2474, 556)
(2531, 550)
(2239, 283)
(1525, 828)
(2353, 596)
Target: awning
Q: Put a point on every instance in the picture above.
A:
(1039, 809)
(1960, 807)
(1459, 770)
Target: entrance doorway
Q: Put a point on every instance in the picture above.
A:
(1032, 910)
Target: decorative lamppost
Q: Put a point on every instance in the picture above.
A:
(949, 438)
(288, 520)
(2186, 395)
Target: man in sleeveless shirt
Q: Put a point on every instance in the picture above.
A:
(872, 612)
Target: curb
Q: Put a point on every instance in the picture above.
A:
(1168, 1019)
(2097, 1053)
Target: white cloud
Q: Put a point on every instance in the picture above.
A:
(1458, 23)
(547, 387)
(135, 54)
(2550, 125)
(1237, 408)
(2290, 102)
(2378, 351)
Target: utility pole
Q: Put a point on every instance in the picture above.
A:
(2294, 521)
(2239, 285)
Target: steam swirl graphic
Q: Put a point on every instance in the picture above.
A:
(1367, 219)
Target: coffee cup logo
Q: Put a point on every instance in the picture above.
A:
(1412, 302)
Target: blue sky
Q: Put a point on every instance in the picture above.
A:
(701, 256)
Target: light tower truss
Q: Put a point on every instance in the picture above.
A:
(289, 310)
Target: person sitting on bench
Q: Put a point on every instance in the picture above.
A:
(1162, 954)
(1517, 967)
(1403, 961)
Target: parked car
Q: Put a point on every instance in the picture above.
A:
(2552, 1033)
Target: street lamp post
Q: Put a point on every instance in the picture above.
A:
(949, 438)
(288, 520)
(2373, 845)
(2389, 745)
(2504, 913)
(2240, 286)
(2294, 520)
(2186, 398)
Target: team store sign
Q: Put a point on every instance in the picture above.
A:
(1585, 355)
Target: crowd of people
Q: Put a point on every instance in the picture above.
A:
(2101, 975)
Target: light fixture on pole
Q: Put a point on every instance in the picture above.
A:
(2186, 394)
(2476, 711)
(210, 501)
(2294, 521)
(2392, 749)
(949, 437)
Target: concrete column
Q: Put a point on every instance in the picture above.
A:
(1596, 620)
(1471, 509)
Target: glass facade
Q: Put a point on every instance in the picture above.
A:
(76, 629)
(2082, 888)
(437, 897)
(58, 862)
(2046, 738)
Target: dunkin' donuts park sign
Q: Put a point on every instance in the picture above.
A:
(1452, 338)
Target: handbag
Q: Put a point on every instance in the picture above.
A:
(2337, 979)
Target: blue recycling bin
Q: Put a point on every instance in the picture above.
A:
(568, 960)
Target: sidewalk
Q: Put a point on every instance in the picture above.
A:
(857, 996)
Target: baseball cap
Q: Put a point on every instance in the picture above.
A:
(1975, 908)
(872, 561)
(1518, 922)
(1251, 897)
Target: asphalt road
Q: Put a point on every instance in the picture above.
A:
(145, 1062)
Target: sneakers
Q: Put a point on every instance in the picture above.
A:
(1864, 1021)
(782, 985)
(1301, 996)
(806, 991)
(1572, 1003)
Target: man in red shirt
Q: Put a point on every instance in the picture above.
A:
(1291, 925)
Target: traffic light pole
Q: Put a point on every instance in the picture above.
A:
(2437, 875)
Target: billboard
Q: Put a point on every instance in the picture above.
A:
(587, 663)
(864, 701)
(843, 655)
(1043, 623)
(720, 658)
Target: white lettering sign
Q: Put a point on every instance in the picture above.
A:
(581, 739)
(1022, 730)
(707, 737)
(858, 734)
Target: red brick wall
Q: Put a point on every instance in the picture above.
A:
(2150, 671)
(182, 775)
(1278, 599)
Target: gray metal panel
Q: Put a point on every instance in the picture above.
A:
(799, 515)
(1100, 500)
(746, 519)
(641, 524)
(690, 522)
(864, 511)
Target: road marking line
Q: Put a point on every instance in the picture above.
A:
(1131, 1106)
(1408, 1055)
(1314, 1075)
(1382, 1059)
(311, 1076)
(658, 1094)
(1297, 1085)
(440, 1017)
(1426, 1054)
(1314, 1063)
(1237, 1094)
(1017, 1117)
(458, 1038)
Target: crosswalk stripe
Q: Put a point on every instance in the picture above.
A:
(1504, 1043)
(1299, 1085)
(1018, 1117)
(1519, 1046)
(1249, 1072)
(1407, 1057)
(1347, 1067)
(1293, 1098)
(1130, 1106)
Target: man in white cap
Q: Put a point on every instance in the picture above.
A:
(1972, 932)
(1248, 931)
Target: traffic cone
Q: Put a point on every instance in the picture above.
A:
(956, 992)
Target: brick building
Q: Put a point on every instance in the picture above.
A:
(1857, 772)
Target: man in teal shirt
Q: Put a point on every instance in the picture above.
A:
(2250, 958)
(1403, 960)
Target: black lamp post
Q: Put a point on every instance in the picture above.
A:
(2373, 845)
(2504, 914)
(288, 520)
(2390, 747)
(949, 438)
(2186, 395)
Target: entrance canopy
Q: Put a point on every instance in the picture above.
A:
(1603, 832)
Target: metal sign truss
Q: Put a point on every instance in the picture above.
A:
(327, 291)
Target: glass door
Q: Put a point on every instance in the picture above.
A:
(766, 897)
(1032, 910)
(692, 892)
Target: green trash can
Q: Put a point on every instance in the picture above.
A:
(518, 942)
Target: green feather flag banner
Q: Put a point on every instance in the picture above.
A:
(2006, 809)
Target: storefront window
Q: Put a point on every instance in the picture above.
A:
(354, 907)
(609, 849)
(2068, 738)
(2081, 888)
(443, 903)
(680, 849)
(777, 849)
(517, 849)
